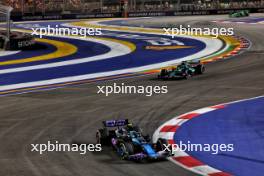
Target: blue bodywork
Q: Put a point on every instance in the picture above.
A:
(150, 151)
(147, 149)
(129, 143)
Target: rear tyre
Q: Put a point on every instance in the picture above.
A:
(101, 136)
(162, 74)
(126, 149)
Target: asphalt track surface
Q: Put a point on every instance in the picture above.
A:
(73, 114)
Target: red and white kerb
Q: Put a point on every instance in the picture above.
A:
(167, 131)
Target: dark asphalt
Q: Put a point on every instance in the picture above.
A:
(73, 114)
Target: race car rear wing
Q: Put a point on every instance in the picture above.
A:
(195, 61)
(115, 123)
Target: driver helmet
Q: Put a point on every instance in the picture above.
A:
(184, 63)
(120, 131)
(130, 126)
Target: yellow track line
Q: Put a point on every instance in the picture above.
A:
(62, 49)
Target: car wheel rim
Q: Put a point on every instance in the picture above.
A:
(122, 150)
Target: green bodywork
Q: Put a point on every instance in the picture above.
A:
(180, 69)
(238, 14)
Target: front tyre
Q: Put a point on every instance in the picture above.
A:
(200, 69)
(161, 145)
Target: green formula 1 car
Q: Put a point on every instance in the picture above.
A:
(238, 14)
(183, 71)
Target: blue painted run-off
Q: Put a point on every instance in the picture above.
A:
(241, 124)
(140, 57)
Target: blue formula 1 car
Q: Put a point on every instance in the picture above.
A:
(129, 142)
(183, 71)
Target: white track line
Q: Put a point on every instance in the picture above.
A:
(7, 53)
(117, 49)
(212, 45)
